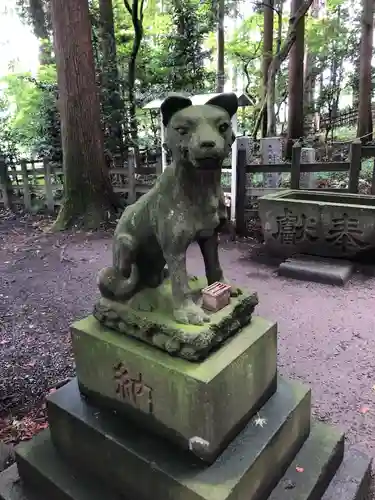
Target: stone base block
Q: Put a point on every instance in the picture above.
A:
(147, 467)
(49, 477)
(6, 456)
(148, 317)
(258, 456)
(199, 406)
(313, 467)
(317, 269)
(46, 476)
(353, 480)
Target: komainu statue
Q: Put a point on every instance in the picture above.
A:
(186, 204)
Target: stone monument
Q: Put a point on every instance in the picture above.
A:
(272, 153)
(308, 180)
(177, 394)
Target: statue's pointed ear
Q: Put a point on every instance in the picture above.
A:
(227, 101)
(171, 105)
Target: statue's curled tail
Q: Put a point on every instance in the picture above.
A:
(114, 286)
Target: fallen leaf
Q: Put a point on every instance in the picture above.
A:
(42, 426)
(300, 469)
(364, 410)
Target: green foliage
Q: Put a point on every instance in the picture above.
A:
(29, 105)
(245, 49)
(172, 57)
(333, 40)
(178, 46)
(183, 54)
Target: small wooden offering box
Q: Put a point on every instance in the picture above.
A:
(216, 296)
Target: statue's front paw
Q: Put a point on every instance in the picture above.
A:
(235, 291)
(190, 314)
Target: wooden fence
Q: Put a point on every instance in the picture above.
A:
(41, 183)
(344, 118)
(36, 183)
(246, 204)
(31, 180)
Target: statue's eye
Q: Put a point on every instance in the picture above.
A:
(182, 130)
(223, 127)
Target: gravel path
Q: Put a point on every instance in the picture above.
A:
(326, 334)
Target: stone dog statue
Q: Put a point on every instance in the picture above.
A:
(186, 204)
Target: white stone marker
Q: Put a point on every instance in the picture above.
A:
(272, 153)
(308, 180)
(245, 142)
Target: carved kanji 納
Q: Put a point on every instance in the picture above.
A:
(133, 390)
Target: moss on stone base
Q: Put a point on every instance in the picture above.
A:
(148, 316)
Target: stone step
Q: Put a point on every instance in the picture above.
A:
(46, 476)
(49, 476)
(318, 269)
(6, 456)
(145, 466)
(351, 482)
(11, 487)
(314, 466)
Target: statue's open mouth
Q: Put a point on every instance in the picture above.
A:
(209, 163)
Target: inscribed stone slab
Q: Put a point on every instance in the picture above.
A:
(200, 406)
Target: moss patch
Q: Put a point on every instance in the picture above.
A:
(148, 316)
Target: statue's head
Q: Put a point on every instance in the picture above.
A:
(202, 135)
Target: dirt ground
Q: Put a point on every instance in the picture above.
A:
(326, 334)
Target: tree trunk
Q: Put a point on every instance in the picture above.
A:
(280, 57)
(136, 11)
(271, 115)
(364, 127)
(355, 86)
(220, 69)
(309, 83)
(310, 74)
(295, 87)
(112, 105)
(89, 197)
(235, 72)
(267, 54)
(272, 118)
(40, 27)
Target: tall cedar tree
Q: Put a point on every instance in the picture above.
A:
(89, 199)
(267, 52)
(364, 127)
(220, 36)
(112, 103)
(295, 90)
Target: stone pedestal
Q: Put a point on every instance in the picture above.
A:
(272, 153)
(89, 454)
(308, 180)
(138, 424)
(199, 406)
(148, 316)
(145, 467)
